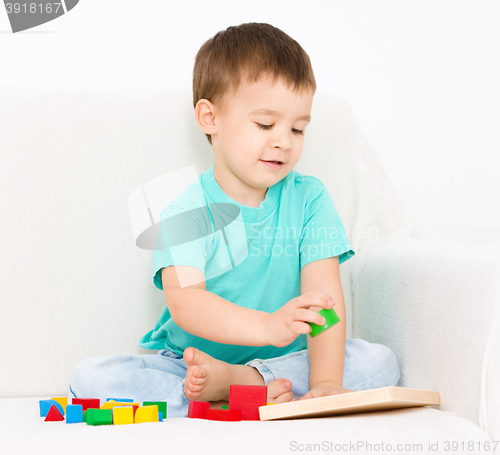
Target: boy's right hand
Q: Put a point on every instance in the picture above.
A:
(290, 321)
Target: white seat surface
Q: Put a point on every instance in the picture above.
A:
(23, 431)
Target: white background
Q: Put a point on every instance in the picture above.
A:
(421, 76)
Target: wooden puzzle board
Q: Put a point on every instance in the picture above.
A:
(381, 399)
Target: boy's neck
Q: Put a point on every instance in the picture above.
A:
(238, 190)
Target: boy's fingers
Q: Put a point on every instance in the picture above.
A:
(305, 315)
(301, 327)
(321, 299)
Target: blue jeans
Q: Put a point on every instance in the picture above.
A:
(160, 377)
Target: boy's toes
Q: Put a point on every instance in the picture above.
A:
(199, 376)
(278, 388)
(195, 388)
(284, 398)
(192, 395)
(200, 372)
(192, 356)
(188, 354)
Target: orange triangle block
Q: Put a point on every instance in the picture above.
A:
(53, 415)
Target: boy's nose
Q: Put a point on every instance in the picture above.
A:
(282, 141)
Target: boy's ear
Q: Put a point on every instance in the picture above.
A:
(205, 117)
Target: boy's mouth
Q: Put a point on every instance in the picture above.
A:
(273, 164)
(273, 161)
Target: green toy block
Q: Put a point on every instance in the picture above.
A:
(89, 418)
(103, 417)
(331, 319)
(99, 417)
(225, 407)
(85, 415)
(162, 406)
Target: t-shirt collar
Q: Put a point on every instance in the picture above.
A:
(249, 214)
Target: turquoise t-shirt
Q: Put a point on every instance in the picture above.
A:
(251, 256)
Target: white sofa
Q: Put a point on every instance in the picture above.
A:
(74, 285)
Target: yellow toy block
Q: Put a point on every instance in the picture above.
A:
(63, 401)
(123, 415)
(147, 414)
(112, 404)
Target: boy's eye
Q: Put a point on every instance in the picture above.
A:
(268, 127)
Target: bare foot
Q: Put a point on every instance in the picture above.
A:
(279, 391)
(208, 379)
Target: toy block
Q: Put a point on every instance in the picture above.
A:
(197, 409)
(160, 416)
(87, 403)
(123, 415)
(113, 404)
(223, 415)
(63, 401)
(162, 406)
(74, 413)
(248, 399)
(225, 407)
(85, 416)
(121, 400)
(331, 319)
(99, 416)
(54, 415)
(89, 416)
(147, 414)
(45, 407)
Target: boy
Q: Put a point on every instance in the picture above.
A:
(253, 88)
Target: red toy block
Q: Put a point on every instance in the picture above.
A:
(248, 399)
(54, 415)
(197, 409)
(223, 415)
(87, 403)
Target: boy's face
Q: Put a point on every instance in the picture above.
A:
(244, 138)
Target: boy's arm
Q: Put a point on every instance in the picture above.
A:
(327, 350)
(208, 315)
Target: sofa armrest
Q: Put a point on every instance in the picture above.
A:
(489, 408)
(434, 305)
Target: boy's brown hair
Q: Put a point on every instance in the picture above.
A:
(248, 50)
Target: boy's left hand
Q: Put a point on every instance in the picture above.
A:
(323, 389)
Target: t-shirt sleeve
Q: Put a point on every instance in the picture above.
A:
(323, 234)
(181, 240)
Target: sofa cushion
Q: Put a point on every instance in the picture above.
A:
(24, 432)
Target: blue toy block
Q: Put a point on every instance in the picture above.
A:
(160, 416)
(45, 407)
(74, 413)
(126, 400)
